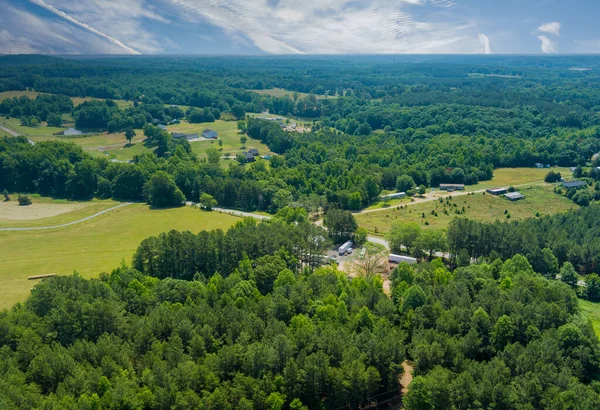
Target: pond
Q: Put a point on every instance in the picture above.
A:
(72, 131)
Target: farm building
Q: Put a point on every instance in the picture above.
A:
(497, 191)
(395, 195)
(574, 184)
(392, 258)
(539, 165)
(162, 127)
(452, 187)
(210, 134)
(178, 135)
(514, 196)
(249, 157)
(253, 151)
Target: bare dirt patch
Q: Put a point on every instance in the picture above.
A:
(11, 211)
(406, 376)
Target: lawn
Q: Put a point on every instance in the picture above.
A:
(94, 246)
(228, 133)
(478, 206)
(591, 310)
(125, 153)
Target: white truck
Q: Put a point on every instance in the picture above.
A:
(401, 258)
(344, 248)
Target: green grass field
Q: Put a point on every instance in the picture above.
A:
(92, 141)
(505, 177)
(487, 208)
(228, 133)
(15, 124)
(47, 211)
(94, 246)
(592, 311)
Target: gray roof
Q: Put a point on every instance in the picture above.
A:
(253, 151)
(514, 195)
(574, 184)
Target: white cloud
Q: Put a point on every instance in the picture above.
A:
(548, 46)
(485, 41)
(337, 26)
(550, 28)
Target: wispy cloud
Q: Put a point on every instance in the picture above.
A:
(337, 26)
(85, 26)
(550, 28)
(548, 46)
(485, 41)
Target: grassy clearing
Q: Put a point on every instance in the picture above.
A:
(505, 177)
(91, 247)
(125, 153)
(486, 208)
(228, 133)
(15, 124)
(280, 92)
(47, 211)
(93, 141)
(591, 310)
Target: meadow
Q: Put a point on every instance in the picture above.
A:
(94, 246)
(539, 200)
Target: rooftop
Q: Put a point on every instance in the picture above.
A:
(514, 195)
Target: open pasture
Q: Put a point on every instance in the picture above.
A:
(93, 246)
(477, 206)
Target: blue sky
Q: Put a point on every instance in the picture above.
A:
(299, 26)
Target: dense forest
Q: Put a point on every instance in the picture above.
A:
(251, 330)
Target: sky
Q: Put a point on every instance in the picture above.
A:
(299, 26)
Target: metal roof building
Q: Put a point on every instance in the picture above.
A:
(514, 196)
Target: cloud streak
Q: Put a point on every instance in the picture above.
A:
(85, 26)
(337, 26)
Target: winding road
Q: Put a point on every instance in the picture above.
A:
(87, 218)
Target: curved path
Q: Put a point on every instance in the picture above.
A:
(39, 228)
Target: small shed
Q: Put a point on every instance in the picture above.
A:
(162, 127)
(191, 136)
(539, 165)
(395, 195)
(497, 191)
(514, 196)
(452, 187)
(210, 134)
(254, 152)
(178, 135)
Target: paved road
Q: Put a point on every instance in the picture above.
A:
(242, 214)
(87, 218)
(374, 239)
(13, 133)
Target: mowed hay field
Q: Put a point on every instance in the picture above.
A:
(505, 177)
(94, 246)
(122, 104)
(477, 206)
(47, 211)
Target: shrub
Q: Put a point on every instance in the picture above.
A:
(24, 200)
